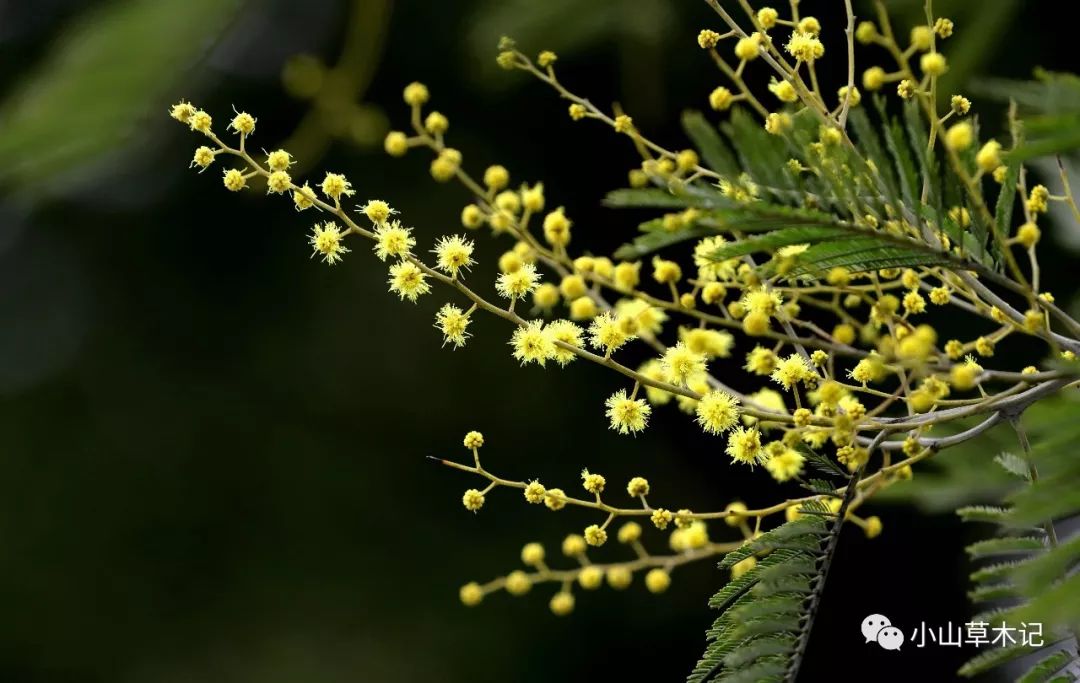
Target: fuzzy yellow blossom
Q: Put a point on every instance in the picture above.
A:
(519, 283)
(592, 482)
(964, 376)
(279, 160)
(278, 182)
(518, 583)
(201, 122)
(335, 186)
(1038, 199)
(906, 89)
(436, 123)
(680, 363)
(408, 281)
(939, 296)
(582, 308)
(445, 166)
(661, 518)
(623, 124)
(557, 228)
(453, 323)
(595, 536)
(578, 111)
(988, 157)
(748, 48)
(760, 361)
(873, 78)
(471, 594)
(637, 487)
(785, 465)
(791, 371)
(805, 47)
(392, 239)
(627, 415)
(1028, 234)
(959, 136)
(809, 25)
(854, 100)
(416, 94)
(453, 254)
(721, 98)
(744, 445)
(532, 343)
(710, 343)
(182, 111)
(922, 37)
(717, 412)
(784, 91)
(767, 17)
(960, 104)
(555, 500)
(708, 39)
(657, 580)
(933, 64)
(326, 240)
(562, 603)
(607, 333)
(778, 123)
(204, 156)
(473, 500)
(234, 180)
(396, 143)
(532, 554)
(568, 333)
(473, 440)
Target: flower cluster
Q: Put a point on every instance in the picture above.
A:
(850, 369)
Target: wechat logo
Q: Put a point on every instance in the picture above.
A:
(878, 629)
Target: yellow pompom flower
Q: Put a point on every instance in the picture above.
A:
(988, 157)
(744, 445)
(416, 94)
(326, 240)
(933, 64)
(791, 371)
(532, 554)
(708, 39)
(680, 363)
(436, 123)
(519, 283)
(396, 143)
(453, 254)
(446, 165)
(182, 111)
(627, 415)
(748, 49)
(595, 536)
(279, 160)
(805, 47)
(201, 122)
(784, 91)
(234, 180)
(785, 465)
(767, 17)
(573, 545)
(392, 239)
(593, 483)
(204, 156)
(637, 487)
(568, 333)
(453, 323)
(303, 197)
(535, 492)
(606, 332)
(471, 594)
(335, 186)
(473, 440)
(959, 136)
(721, 98)
(661, 518)
(629, 532)
(408, 281)
(619, 577)
(496, 177)
(657, 580)
(557, 228)
(473, 500)
(717, 412)
(532, 343)
(562, 603)
(518, 582)
(555, 500)
(590, 578)
(278, 182)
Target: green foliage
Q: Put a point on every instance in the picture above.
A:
(1033, 571)
(764, 612)
(1049, 107)
(812, 209)
(87, 97)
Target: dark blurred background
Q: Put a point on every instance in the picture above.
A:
(212, 464)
